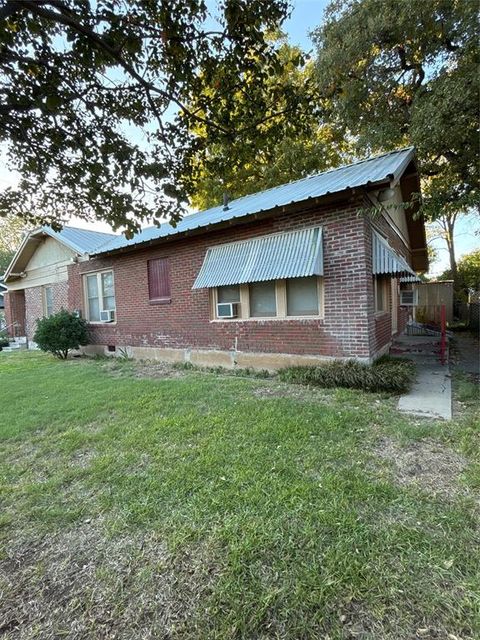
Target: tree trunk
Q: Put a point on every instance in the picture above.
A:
(450, 227)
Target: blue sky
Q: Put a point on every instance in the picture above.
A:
(306, 16)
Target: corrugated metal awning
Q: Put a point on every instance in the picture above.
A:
(282, 255)
(406, 279)
(386, 260)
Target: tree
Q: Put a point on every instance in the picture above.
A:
(60, 333)
(294, 142)
(468, 274)
(11, 232)
(399, 73)
(93, 100)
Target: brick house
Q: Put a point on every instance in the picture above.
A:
(37, 277)
(296, 274)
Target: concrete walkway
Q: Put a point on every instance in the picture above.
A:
(431, 394)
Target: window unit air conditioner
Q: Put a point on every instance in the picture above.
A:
(408, 298)
(227, 309)
(107, 315)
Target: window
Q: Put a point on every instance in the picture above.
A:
(302, 296)
(229, 293)
(263, 300)
(379, 294)
(100, 294)
(159, 280)
(276, 299)
(48, 301)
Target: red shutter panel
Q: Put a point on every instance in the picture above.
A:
(159, 279)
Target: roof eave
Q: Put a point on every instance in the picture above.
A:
(36, 235)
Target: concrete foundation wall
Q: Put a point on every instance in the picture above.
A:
(215, 358)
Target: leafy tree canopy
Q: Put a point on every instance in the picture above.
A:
(290, 143)
(94, 100)
(11, 232)
(468, 271)
(406, 72)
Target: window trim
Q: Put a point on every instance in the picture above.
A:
(100, 297)
(162, 299)
(281, 300)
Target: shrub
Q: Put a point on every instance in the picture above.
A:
(60, 333)
(388, 375)
(4, 341)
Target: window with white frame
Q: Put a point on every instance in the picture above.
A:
(48, 301)
(279, 299)
(99, 294)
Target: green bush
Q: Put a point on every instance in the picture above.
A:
(388, 375)
(4, 341)
(60, 333)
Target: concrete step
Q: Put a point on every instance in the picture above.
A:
(14, 346)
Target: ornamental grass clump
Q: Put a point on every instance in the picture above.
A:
(386, 376)
(60, 333)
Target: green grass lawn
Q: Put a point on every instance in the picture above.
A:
(139, 501)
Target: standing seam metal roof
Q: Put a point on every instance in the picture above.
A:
(282, 255)
(389, 166)
(81, 240)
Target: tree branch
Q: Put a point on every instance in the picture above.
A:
(114, 54)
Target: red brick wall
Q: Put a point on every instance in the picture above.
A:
(347, 329)
(382, 333)
(34, 307)
(15, 312)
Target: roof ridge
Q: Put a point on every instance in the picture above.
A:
(365, 171)
(285, 184)
(314, 175)
(104, 233)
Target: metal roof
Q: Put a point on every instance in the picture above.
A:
(375, 170)
(80, 240)
(386, 260)
(282, 255)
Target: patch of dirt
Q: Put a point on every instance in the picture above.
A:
(83, 459)
(297, 392)
(145, 369)
(358, 624)
(83, 584)
(142, 369)
(428, 464)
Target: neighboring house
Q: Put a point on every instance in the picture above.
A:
(37, 277)
(431, 297)
(296, 274)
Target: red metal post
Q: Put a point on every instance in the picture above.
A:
(443, 340)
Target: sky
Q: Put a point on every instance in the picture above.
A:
(306, 16)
